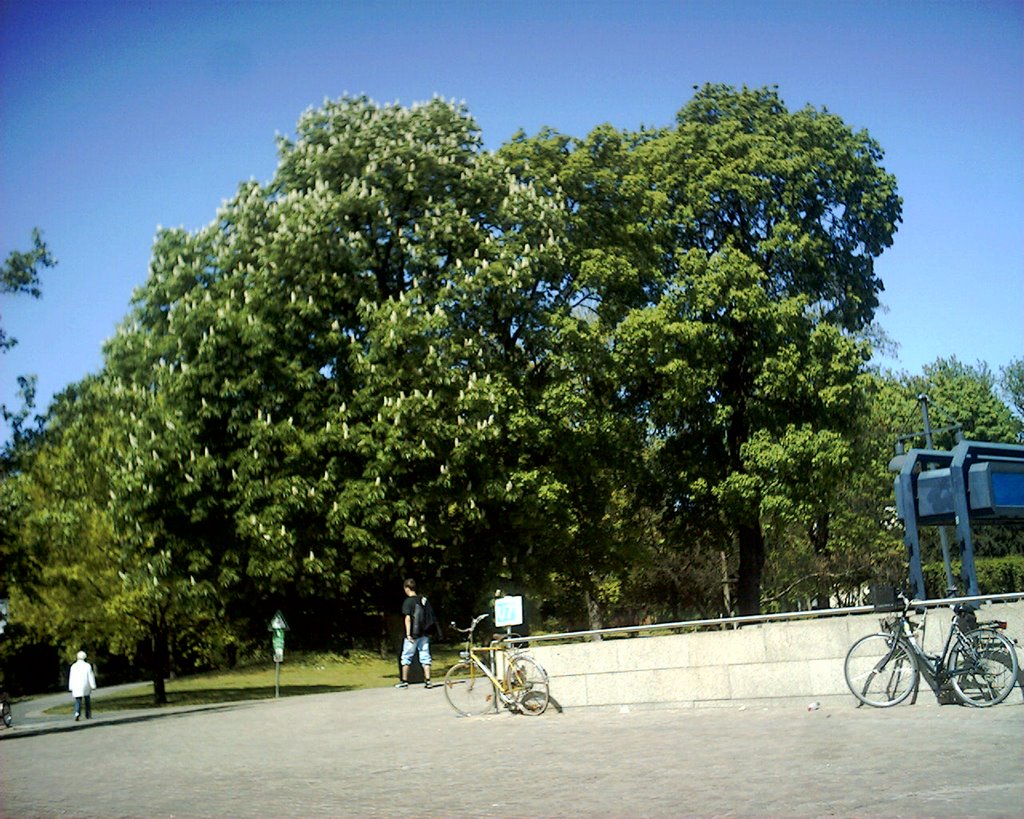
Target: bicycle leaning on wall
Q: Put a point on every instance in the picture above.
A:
(980, 663)
(498, 673)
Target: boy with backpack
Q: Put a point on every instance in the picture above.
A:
(420, 623)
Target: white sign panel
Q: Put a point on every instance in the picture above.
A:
(508, 611)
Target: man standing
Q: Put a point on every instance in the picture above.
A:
(81, 684)
(413, 642)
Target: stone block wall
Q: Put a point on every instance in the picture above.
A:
(789, 662)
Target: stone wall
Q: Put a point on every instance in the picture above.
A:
(789, 662)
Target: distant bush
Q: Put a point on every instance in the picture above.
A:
(996, 575)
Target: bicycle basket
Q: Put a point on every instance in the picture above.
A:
(883, 598)
(966, 620)
(890, 623)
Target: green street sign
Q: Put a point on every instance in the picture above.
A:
(278, 625)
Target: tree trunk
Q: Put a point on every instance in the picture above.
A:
(749, 534)
(819, 535)
(748, 586)
(160, 663)
(593, 615)
(726, 595)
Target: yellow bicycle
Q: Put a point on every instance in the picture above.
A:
(498, 673)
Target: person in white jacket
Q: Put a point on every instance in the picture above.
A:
(81, 684)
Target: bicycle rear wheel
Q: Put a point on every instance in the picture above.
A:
(468, 690)
(983, 668)
(527, 683)
(880, 673)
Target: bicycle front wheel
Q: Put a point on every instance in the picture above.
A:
(879, 671)
(527, 683)
(983, 668)
(468, 690)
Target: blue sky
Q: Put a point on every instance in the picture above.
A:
(119, 117)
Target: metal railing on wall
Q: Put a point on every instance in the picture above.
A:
(752, 619)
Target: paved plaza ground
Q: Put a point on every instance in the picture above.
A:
(385, 752)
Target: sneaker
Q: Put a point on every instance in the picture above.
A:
(427, 684)
(402, 685)
(77, 717)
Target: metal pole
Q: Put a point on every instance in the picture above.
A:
(943, 535)
(754, 619)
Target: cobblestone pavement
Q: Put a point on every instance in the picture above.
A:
(385, 752)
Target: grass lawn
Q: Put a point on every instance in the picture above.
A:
(300, 674)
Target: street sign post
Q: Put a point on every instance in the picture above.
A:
(278, 625)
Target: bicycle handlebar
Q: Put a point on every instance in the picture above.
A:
(958, 608)
(472, 625)
(906, 604)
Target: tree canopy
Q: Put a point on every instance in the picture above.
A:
(750, 232)
(20, 275)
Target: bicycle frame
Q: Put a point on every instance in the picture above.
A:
(517, 680)
(884, 669)
(472, 655)
(936, 665)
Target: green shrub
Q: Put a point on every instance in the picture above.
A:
(996, 575)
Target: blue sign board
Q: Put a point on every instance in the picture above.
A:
(976, 482)
(508, 611)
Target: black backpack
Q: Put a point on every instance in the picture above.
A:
(424, 623)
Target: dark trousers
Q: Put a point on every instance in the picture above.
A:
(88, 706)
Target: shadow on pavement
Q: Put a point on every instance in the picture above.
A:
(112, 720)
(199, 696)
(209, 696)
(121, 710)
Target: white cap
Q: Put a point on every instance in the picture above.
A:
(81, 655)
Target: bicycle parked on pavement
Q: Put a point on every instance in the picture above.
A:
(499, 673)
(979, 663)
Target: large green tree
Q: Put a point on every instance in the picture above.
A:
(354, 372)
(733, 256)
(796, 207)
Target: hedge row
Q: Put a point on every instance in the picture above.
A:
(996, 575)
